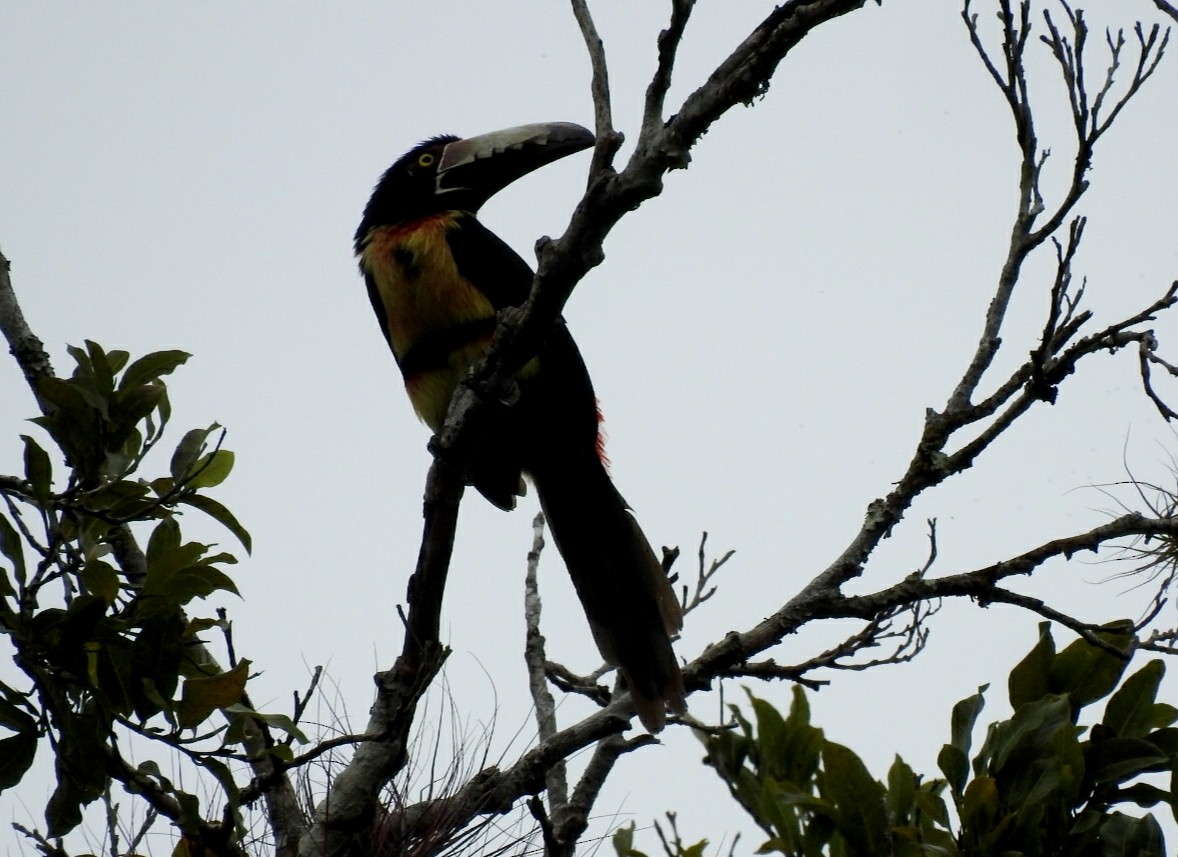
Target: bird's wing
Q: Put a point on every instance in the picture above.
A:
(489, 264)
(505, 279)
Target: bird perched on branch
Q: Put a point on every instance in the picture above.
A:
(436, 278)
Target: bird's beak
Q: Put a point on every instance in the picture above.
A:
(484, 165)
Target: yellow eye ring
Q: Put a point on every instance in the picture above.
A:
(426, 159)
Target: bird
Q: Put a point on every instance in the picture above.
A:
(437, 277)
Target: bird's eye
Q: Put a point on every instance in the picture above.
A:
(426, 159)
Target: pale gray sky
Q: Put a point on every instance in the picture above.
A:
(764, 337)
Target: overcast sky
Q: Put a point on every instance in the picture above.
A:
(764, 337)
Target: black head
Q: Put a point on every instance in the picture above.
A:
(451, 174)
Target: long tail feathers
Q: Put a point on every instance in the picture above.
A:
(631, 606)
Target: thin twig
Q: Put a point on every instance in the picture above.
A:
(668, 45)
(608, 139)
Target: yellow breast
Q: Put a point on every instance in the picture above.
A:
(424, 296)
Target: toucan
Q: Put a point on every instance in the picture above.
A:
(437, 278)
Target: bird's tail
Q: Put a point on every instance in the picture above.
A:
(631, 605)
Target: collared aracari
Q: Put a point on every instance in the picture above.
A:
(436, 278)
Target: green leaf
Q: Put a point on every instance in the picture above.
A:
(954, 764)
(16, 757)
(1131, 837)
(1130, 711)
(200, 697)
(113, 494)
(771, 739)
(222, 515)
(119, 461)
(901, 796)
(81, 769)
(212, 469)
(72, 397)
(117, 359)
(623, 842)
(1143, 794)
(14, 711)
(1030, 679)
(277, 721)
(229, 787)
(930, 803)
(858, 798)
(979, 807)
(1173, 791)
(100, 368)
(38, 470)
(165, 589)
(100, 578)
(150, 367)
(1166, 740)
(1164, 714)
(112, 672)
(165, 412)
(63, 812)
(156, 657)
(151, 768)
(190, 813)
(1029, 734)
(1118, 759)
(196, 626)
(165, 539)
(188, 450)
(133, 405)
(282, 752)
(10, 546)
(777, 808)
(965, 715)
(82, 359)
(802, 743)
(1087, 673)
(154, 701)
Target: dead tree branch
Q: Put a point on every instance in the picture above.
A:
(664, 144)
(742, 77)
(535, 658)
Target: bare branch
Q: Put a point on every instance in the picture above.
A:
(608, 139)
(300, 702)
(1069, 52)
(821, 599)
(703, 588)
(907, 641)
(535, 658)
(28, 350)
(1161, 641)
(769, 669)
(1088, 631)
(570, 823)
(570, 682)
(1058, 328)
(668, 44)
(741, 78)
(43, 845)
(1146, 346)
